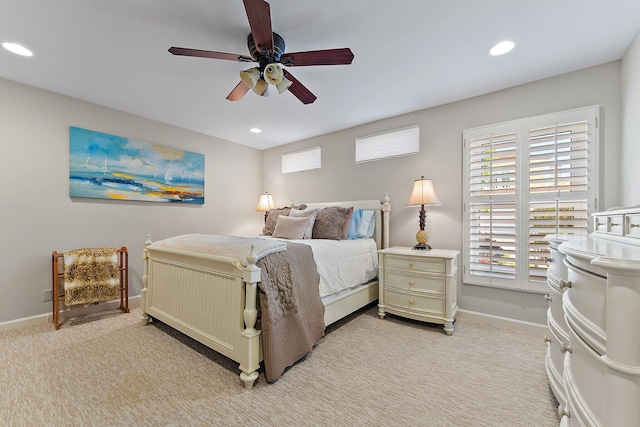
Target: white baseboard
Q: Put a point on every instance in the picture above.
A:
(504, 322)
(68, 312)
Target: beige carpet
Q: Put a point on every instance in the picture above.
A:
(109, 370)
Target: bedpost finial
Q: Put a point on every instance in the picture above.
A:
(148, 241)
(252, 258)
(386, 206)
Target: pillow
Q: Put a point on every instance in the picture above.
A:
(290, 227)
(354, 224)
(332, 223)
(272, 218)
(310, 214)
(367, 224)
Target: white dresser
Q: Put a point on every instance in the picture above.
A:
(593, 358)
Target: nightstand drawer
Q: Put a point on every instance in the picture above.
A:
(427, 265)
(415, 302)
(430, 284)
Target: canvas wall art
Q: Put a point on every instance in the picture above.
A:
(112, 167)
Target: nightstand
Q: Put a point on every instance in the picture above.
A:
(420, 285)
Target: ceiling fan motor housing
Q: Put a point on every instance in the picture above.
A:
(267, 56)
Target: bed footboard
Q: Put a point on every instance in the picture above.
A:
(211, 299)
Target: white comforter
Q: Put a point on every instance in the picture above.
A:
(342, 264)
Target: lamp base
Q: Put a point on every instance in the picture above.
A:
(422, 247)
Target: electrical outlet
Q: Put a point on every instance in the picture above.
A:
(47, 295)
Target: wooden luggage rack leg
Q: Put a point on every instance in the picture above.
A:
(57, 275)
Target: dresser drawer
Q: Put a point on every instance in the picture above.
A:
(427, 265)
(632, 225)
(419, 283)
(584, 305)
(556, 311)
(615, 224)
(556, 355)
(586, 378)
(414, 302)
(556, 264)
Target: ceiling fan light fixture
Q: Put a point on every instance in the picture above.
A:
(283, 85)
(261, 88)
(273, 74)
(250, 77)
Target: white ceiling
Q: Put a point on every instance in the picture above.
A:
(409, 55)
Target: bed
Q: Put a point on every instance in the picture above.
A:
(212, 298)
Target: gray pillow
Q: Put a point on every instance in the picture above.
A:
(332, 223)
(290, 227)
(310, 214)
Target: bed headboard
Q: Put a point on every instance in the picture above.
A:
(381, 208)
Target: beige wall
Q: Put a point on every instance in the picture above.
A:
(440, 159)
(630, 178)
(38, 216)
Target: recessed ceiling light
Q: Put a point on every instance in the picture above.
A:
(255, 130)
(502, 48)
(17, 49)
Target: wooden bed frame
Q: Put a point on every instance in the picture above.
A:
(212, 299)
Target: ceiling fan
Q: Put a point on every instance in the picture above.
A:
(267, 49)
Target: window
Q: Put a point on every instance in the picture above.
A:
(398, 142)
(526, 179)
(302, 160)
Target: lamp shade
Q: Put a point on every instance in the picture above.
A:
(423, 193)
(273, 74)
(266, 202)
(261, 88)
(283, 85)
(250, 77)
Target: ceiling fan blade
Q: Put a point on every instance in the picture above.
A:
(318, 57)
(259, 15)
(298, 89)
(209, 54)
(238, 92)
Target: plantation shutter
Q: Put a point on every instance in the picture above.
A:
(559, 154)
(492, 206)
(523, 180)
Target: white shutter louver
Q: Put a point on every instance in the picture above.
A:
(492, 240)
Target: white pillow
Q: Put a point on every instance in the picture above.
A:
(288, 227)
(367, 224)
(310, 214)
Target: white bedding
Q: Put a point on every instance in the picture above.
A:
(342, 264)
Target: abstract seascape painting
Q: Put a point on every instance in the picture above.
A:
(106, 166)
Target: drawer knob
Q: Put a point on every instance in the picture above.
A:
(411, 283)
(546, 339)
(563, 411)
(634, 225)
(410, 263)
(615, 225)
(548, 298)
(564, 284)
(565, 347)
(411, 302)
